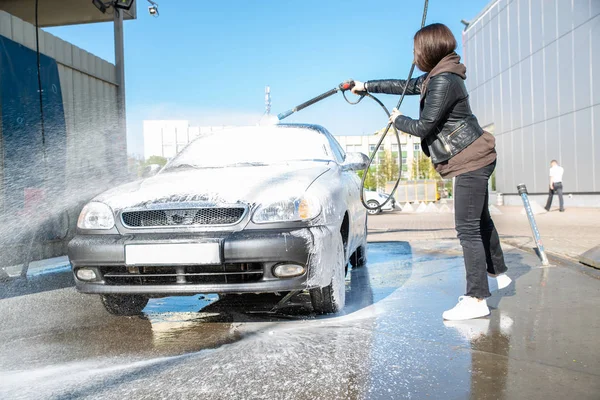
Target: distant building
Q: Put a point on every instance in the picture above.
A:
(533, 72)
(166, 138)
(411, 148)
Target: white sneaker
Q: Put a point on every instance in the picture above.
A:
(467, 308)
(498, 282)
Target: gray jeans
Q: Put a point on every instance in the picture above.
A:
(558, 188)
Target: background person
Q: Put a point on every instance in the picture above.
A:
(556, 176)
(458, 147)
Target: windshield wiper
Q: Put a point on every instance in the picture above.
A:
(181, 166)
(246, 164)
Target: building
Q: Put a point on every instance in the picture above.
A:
(533, 71)
(411, 148)
(166, 138)
(62, 145)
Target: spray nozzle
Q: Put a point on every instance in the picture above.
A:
(346, 85)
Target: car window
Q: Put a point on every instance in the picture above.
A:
(254, 146)
(339, 153)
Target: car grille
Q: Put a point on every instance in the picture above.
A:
(183, 217)
(191, 274)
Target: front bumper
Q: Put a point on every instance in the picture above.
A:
(262, 249)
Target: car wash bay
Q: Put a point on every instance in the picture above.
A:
(389, 342)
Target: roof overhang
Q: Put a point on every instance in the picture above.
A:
(61, 12)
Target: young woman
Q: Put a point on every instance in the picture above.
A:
(458, 147)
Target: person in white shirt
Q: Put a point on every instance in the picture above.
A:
(556, 176)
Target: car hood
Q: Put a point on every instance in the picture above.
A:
(229, 185)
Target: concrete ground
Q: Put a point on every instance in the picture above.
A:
(390, 342)
(566, 235)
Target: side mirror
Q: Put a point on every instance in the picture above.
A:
(355, 162)
(151, 170)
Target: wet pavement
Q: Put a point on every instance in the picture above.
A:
(541, 340)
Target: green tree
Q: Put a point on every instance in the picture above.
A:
(422, 168)
(387, 170)
(162, 161)
(370, 181)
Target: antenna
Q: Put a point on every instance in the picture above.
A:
(267, 100)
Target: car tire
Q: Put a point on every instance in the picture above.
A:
(373, 204)
(124, 305)
(359, 257)
(332, 298)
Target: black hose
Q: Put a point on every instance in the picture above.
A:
(385, 132)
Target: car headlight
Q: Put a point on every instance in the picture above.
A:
(96, 215)
(292, 209)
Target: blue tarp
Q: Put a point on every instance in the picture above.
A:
(22, 146)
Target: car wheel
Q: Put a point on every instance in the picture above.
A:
(332, 298)
(124, 305)
(372, 204)
(359, 257)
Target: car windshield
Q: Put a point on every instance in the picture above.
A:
(253, 146)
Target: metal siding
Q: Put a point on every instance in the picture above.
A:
(5, 24)
(568, 154)
(506, 103)
(549, 16)
(487, 53)
(596, 138)
(515, 99)
(526, 106)
(49, 47)
(528, 156)
(585, 150)
(511, 158)
(553, 139)
(536, 25)
(551, 81)
(504, 40)
(524, 29)
(581, 11)
(17, 30)
(541, 163)
(539, 89)
(594, 7)
(502, 165)
(565, 70)
(513, 32)
(582, 67)
(28, 35)
(480, 60)
(565, 14)
(595, 58)
(494, 60)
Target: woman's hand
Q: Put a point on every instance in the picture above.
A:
(358, 87)
(395, 114)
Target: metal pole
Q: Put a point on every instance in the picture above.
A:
(534, 229)
(120, 144)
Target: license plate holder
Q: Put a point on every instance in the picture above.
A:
(208, 253)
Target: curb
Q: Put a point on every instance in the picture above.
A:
(559, 260)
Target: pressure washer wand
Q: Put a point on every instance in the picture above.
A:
(343, 87)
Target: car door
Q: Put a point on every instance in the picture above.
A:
(351, 184)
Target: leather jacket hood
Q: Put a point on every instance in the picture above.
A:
(446, 124)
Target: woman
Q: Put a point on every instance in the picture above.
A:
(458, 147)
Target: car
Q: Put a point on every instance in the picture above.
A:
(375, 199)
(265, 209)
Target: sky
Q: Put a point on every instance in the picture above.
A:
(209, 61)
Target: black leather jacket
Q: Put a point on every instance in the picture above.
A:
(446, 124)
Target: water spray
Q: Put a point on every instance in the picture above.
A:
(348, 85)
